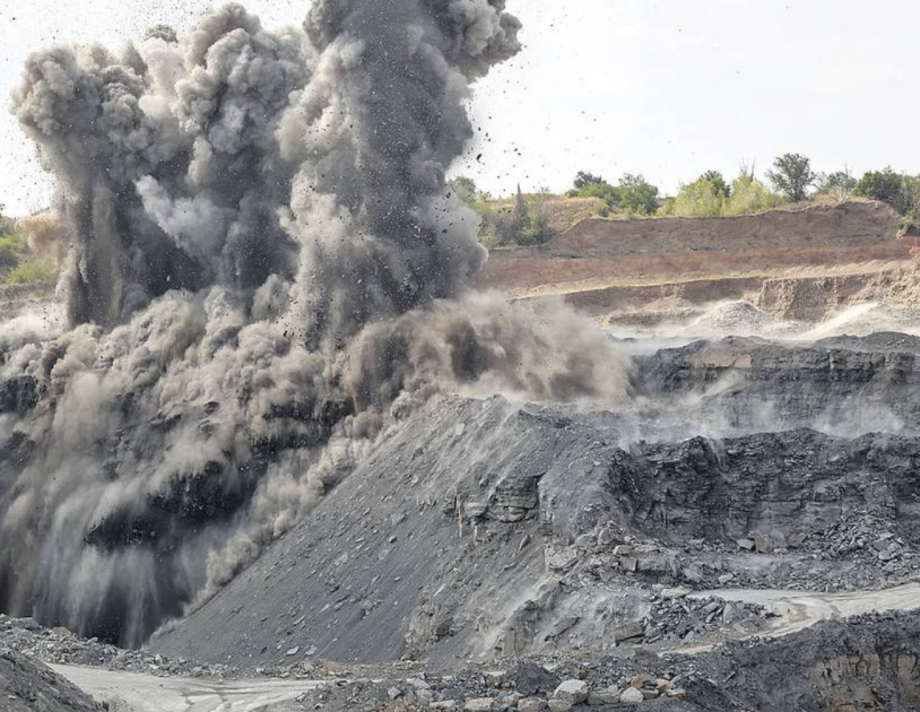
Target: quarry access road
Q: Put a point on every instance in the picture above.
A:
(797, 610)
(133, 692)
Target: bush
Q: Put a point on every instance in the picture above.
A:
(12, 250)
(705, 197)
(880, 185)
(750, 196)
(524, 222)
(31, 273)
(902, 192)
(466, 190)
(584, 179)
(711, 196)
(839, 185)
(633, 194)
(637, 196)
(603, 190)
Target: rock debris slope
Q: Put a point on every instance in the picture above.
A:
(484, 529)
(27, 686)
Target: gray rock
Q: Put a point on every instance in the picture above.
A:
(629, 631)
(632, 695)
(598, 698)
(532, 704)
(573, 691)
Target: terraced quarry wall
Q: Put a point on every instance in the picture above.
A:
(598, 253)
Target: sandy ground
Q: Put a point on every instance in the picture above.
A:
(132, 692)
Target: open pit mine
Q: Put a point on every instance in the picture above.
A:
(286, 437)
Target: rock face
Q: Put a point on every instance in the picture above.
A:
(483, 529)
(779, 485)
(26, 686)
(814, 298)
(847, 386)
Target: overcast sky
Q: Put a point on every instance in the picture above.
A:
(666, 88)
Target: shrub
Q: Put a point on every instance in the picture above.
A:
(637, 196)
(902, 192)
(840, 185)
(584, 179)
(603, 190)
(880, 185)
(12, 250)
(31, 273)
(633, 194)
(705, 197)
(466, 189)
(750, 196)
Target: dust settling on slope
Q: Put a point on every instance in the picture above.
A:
(265, 270)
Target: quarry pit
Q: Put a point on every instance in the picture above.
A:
(286, 437)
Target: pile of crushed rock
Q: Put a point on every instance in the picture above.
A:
(60, 646)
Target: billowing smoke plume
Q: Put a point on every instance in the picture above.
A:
(265, 270)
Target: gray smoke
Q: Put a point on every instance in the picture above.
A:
(265, 270)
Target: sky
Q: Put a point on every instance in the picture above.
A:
(665, 88)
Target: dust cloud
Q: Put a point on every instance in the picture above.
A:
(263, 269)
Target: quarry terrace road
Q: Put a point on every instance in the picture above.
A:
(800, 609)
(145, 693)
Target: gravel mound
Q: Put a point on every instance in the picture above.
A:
(27, 686)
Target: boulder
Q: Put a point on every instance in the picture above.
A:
(572, 691)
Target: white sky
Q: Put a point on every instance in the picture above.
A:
(668, 88)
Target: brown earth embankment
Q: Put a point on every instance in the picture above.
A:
(598, 253)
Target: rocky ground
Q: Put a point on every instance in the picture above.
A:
(27, 686)
(863, 663)
(492, 555)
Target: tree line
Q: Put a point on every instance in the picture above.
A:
(524, 220)
(791, 180)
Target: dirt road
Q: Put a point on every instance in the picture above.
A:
(130, 692)
(797, 609)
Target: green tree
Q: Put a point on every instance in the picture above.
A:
(584, 179)
(465, 188)
(636, 195)
(717, 181)
(793, 176)
(910, 196)
(889, 187)
(536, 230)
(520, 212)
